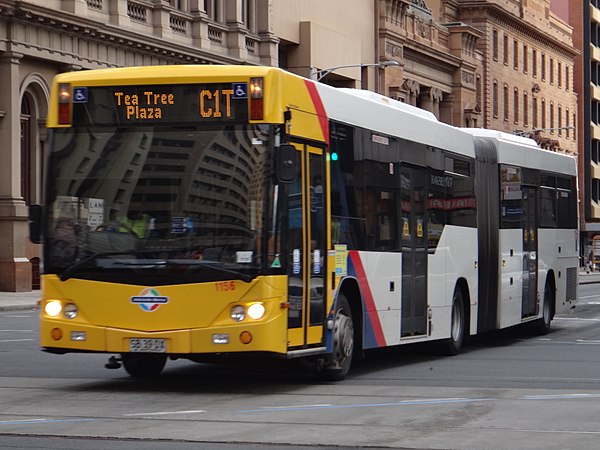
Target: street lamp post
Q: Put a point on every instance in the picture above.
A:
(320, 74)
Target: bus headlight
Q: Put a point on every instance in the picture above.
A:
(70, 311)
(238, 313)
(53, 308)
(256, 311)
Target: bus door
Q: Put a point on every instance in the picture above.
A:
(307, 246)
(530, 252)
(413, 195)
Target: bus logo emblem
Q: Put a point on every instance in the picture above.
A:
(149, 300)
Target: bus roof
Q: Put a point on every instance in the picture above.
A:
(156, 74)
(385, 115)
(525, 152)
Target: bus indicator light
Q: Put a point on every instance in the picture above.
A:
(256, 99)
(56, 334)
(245, 337)
(64, 104)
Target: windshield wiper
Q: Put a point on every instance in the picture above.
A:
(72, 270)
(194, 263)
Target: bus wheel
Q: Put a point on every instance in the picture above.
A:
(338, 365)
(143, 365)
(542, 326)
(457, 325)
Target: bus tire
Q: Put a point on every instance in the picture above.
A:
(143, 365)
(542, 326)
(338, 364)
(458, 324)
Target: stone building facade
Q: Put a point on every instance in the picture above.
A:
(584, 17)
(437, 62)
(40, 38)
(527, 82)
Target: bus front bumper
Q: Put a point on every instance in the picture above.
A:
(59, 336)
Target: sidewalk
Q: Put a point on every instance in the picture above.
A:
(588, 278)
(15, 301)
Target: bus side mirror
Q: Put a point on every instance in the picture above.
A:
(286, 156)
(35, 223)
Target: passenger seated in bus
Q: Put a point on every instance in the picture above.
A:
(138, 223)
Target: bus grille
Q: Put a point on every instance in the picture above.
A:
(571, 284)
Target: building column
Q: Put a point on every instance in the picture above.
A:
(446, 107)
(429, 100)
(236, 34)
(15, 268)
(413, 90)
(268, 47)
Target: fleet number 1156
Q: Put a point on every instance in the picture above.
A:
(225, 286)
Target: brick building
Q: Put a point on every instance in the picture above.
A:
(584, 17)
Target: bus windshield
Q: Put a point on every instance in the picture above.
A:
(160, 204)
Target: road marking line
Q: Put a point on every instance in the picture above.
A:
(16, 331)
(576, 319)
(41, 421)
(559, 396)
(575, 342)
(321, 405)
(16, 340)
(165, 413)
(435, 401)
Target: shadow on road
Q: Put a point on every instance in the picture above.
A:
(273, 375)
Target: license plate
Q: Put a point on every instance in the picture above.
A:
(147, 345)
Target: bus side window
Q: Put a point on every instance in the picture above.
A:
(348, 224)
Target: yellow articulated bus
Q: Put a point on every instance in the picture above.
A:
(207, 212)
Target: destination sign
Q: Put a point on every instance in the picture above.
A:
(155, 104)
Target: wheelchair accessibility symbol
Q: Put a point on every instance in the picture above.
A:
(80, 95)
(240, 90)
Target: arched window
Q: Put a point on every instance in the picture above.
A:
(27, 153)
(34, 110)
(34, 103)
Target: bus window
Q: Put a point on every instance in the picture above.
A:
(566, 203)
(548, 217)
(511, 196)
(348, 225)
